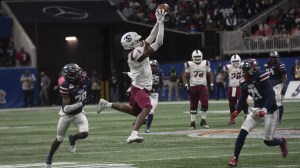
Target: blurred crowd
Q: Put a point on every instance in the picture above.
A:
(196, 15)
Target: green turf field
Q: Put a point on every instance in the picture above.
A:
(26, 136)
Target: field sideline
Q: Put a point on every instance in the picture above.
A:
(26, 136)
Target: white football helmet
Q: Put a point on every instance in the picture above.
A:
(235, 60)
(130, 40)
(197, 56)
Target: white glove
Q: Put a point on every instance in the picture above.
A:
(160, 15)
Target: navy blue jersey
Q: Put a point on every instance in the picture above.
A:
(259, 87)
(76, 93)
(157, 81)
(276, 71)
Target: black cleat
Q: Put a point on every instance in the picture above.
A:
(204, 124)
(193, 125)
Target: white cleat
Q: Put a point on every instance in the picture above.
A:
(48, 165)
(102, 104)
(72, 149)
(134, 138)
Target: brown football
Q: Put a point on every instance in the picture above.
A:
(163, 6)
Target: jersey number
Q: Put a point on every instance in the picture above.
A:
(270, 70)
(236, 75)
(254, 93)
(81, 97)
(198, 73)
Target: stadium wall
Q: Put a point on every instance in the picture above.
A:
(11, 94)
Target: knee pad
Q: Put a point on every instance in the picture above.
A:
(59, 138)
(193, 111)
(204, 109)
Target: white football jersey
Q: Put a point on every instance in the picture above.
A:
(140, 72)
(197, 72)
(234, 75)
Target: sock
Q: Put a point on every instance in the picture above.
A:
(149, 120)
(231, 108)
(133, 132)
(239, 143)
(193, 117)
(108, 105)
(280, 112)
(203, 115)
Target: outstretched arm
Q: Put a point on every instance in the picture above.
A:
(149, 50)
(153, 34)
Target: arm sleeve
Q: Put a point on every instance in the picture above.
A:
(160, 37)
(69, 108)
(153, 34)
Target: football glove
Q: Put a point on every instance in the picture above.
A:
(89, 99)
(261, 112)
(187, 87)
(160, 15)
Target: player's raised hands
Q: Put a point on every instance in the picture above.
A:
(160, 15)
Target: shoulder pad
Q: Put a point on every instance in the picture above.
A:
(207, 63)
(137, 53)
(187, 64)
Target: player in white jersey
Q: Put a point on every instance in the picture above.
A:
(194, 80)
(137, 53)
(233, 73)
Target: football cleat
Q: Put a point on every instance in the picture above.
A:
(48, 165)
(147, 130)
(278, 122)
(233, 162)
(101, 105)
(193, 125)
(49, 161)
(72, 147)
(204, 124)
(232, 122)
(134, 138)
(284, 147)
(234, 115)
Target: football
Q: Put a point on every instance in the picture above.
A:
(163, 6)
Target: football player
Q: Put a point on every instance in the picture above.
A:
(278, 78)
(233, 73)
(137, 53)
(258, 85)
(74, 97)
(157, 85)
(195, 81)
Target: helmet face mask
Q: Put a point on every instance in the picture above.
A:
(72, 73)
(274, 56)
(154, 65)
(197, 56)
(130, 40)
(235, 60)
(249, 67)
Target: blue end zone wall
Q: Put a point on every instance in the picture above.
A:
(11, 94)
(179, 67)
